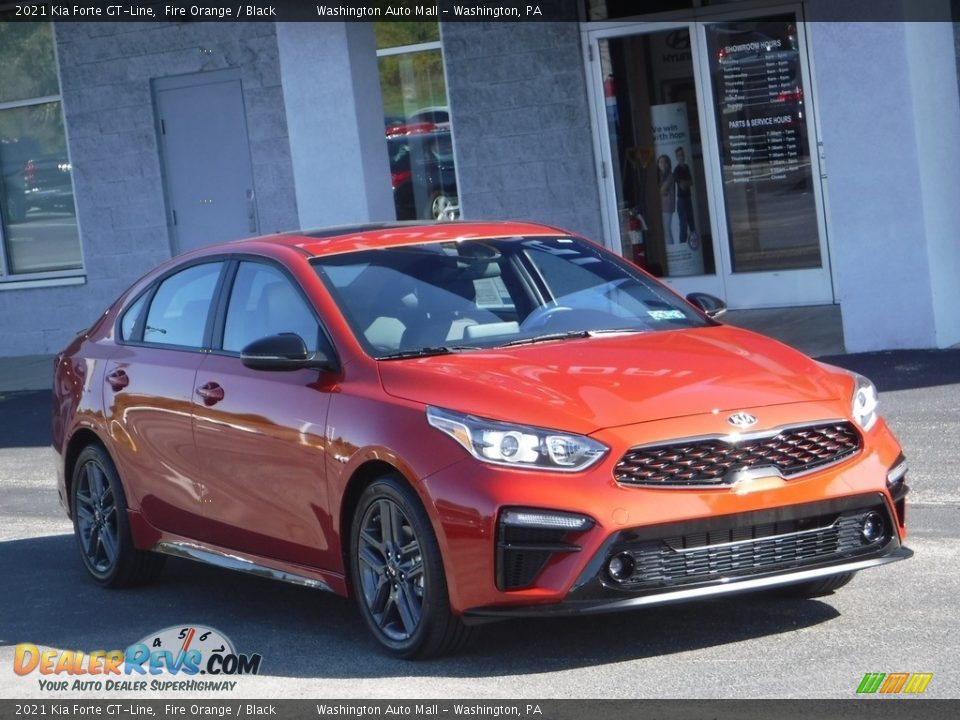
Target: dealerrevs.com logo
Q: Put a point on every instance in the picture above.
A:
(170, 659)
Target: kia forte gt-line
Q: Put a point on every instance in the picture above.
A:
(463, 422)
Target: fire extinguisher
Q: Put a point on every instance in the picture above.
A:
(610, 99)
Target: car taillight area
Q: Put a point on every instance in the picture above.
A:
(719, 461)
(764, 541)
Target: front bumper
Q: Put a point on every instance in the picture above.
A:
(830, 544)
(892, 553)
(466, 499)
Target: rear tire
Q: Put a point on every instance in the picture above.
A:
(397, 574)
(441, 205)
(102, 527)
(820, 587)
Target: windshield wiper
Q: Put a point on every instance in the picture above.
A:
(572, 334)
(547, 337)
(425, 352)
(618, 331)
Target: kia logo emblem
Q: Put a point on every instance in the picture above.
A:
(742, 420)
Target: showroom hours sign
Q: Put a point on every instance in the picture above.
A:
(757, 76)
(767, 142)
(761, 101)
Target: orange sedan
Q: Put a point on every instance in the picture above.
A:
(462, 422)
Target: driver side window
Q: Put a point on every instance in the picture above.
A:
(264, 302)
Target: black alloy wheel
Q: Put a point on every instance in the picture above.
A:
(102, 527)
(397, 574)
(391, 569)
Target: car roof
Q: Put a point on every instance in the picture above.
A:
(348, 238)
(430, 109)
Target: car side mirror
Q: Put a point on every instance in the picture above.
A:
(286, 351)
(712, 306)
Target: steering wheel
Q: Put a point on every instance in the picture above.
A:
(543, 316)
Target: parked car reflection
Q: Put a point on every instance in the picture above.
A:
(422, 175)
(33, 180)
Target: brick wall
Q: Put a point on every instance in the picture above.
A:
(105, 73)
(521, 123)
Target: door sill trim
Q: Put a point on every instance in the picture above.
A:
(229, 561)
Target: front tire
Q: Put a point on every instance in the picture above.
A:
(101, 525)
(397, 574)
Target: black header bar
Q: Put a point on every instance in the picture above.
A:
(181, 707)
(295, 10)
(442, 10)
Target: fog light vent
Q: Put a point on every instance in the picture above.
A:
(527, 538)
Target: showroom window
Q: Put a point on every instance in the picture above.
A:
(417, 121)
(38, 223)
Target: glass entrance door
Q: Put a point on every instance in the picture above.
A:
(705, 137)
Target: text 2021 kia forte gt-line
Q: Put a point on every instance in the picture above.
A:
(461, 422)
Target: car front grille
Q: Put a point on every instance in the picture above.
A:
(746, 549)
(716, 461)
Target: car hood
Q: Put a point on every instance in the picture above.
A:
(585, 385)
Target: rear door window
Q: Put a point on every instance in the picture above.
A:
(180, 307)
(128, 325)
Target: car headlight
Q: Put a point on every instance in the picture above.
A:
(865, 402)
(519, 446)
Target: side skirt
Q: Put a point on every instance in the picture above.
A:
(233, 561)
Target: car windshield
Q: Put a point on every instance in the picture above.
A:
(461, 295)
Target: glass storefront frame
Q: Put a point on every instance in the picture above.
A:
(777, 288)
(422, 165)
(9, 279)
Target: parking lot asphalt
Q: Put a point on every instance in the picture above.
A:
(900, 618)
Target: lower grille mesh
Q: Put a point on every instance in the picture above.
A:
(699, 557)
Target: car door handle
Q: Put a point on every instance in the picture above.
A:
(211, 393)
(118, 379)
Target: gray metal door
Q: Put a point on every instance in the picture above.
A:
(206, 158)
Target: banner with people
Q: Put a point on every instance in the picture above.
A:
(671, 142)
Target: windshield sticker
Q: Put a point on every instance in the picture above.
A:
(666, 314)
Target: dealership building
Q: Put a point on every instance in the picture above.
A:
(773, 155)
